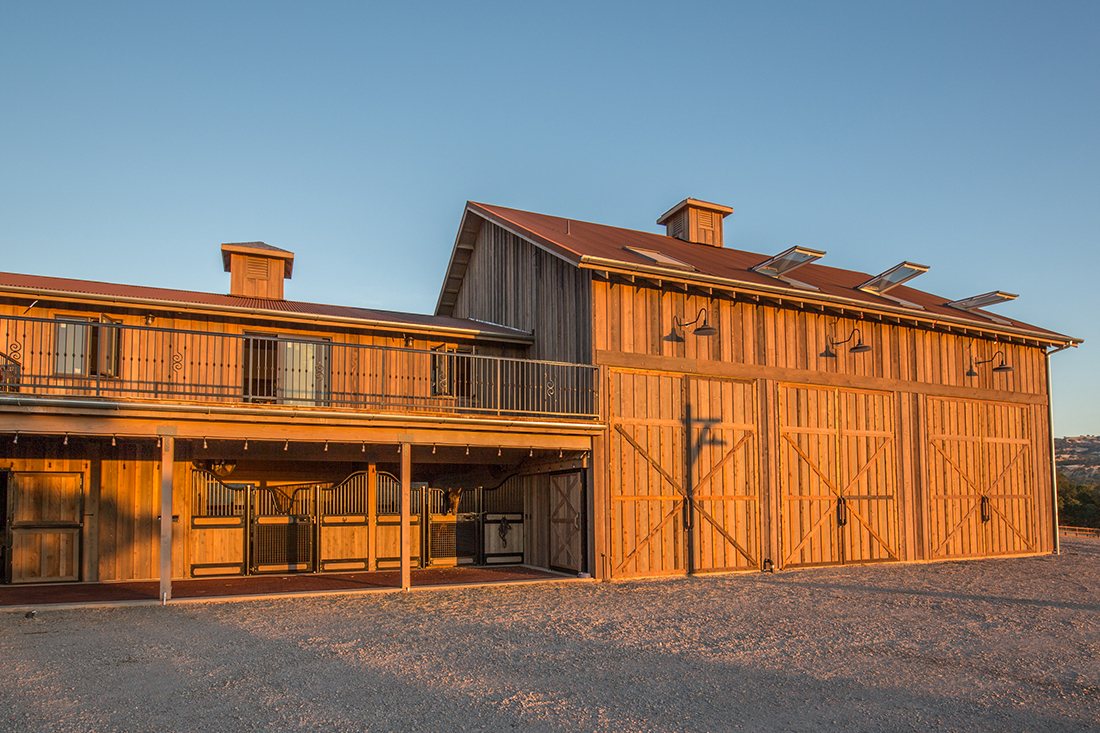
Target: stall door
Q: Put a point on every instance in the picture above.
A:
(567, 521)
(838, 500)
(283, 529)
(344, 517)
(44, 524)
(981, 481)
(219, 526)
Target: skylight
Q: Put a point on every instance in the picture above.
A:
(893, 277)
(981, 301)
(787, 261)
(660, 258)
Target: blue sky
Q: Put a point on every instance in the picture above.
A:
(135, 138)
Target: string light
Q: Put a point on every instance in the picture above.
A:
(66, 441)
(113, 443)
(246, 443)
(364, 447)
(433, 449)
(204, 442)
(158, 441)
(16, 439)
(467, 450)
(326, 446)
(498, 452)
(286, 445)
(531, 454)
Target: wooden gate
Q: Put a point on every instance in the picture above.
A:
(344, 519)
(567, 521)
(838, 474)
(673, 438)
(388, 523)
(981, 480)
(45, 513)
(219, 526)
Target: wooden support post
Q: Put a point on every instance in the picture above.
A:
(167, 466)
(406, 528)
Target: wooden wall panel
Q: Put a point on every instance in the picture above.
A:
(511, 282)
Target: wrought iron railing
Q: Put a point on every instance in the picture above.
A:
(80, 358)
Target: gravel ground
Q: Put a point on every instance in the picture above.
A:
(993, 645)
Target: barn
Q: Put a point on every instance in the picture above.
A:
(767, 411)
(585, 399)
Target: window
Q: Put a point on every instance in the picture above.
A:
(452, 373)
(87, 348)
(285, 371)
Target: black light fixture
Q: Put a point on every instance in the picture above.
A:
(859, 348)
(1001, 368)
(703, 329)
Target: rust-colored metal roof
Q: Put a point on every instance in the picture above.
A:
(601, 247)
(36, 285)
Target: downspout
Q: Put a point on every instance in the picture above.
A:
(1053, 460)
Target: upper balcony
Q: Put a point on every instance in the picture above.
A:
(67, 359)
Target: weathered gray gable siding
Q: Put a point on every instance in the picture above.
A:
(511, 282)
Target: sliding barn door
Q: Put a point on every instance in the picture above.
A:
(646, 474)
(981, 479)
(725, 522)
(683, 467)
(838, 474)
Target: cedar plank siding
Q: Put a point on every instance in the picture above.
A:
(511, 282)
(870, 411)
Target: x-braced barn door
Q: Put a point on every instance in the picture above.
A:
(981, 481)
(676, 443)
(722, 467)
(838, 470)
(567, 521)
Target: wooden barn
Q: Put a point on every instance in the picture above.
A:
(764, 412)
(585, 399)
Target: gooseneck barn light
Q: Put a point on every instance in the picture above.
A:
(859, 348)
(1001, 367)
(703, 329)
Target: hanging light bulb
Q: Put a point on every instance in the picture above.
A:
(204, 442)
(433, 449)
(531, 454)
(559, 453)
(16, 439)
(364, 448)
(286, 445)
(326, 446)
(498, 452)
(66, 441)
(467, 450)
(158, 441)
(113, 443)
(246, 443)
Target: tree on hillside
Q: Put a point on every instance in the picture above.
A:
(1078, 504)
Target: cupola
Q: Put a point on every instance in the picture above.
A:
(696, 221)
(256, 270)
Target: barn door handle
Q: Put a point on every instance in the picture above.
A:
(985, 509)
(841, 511)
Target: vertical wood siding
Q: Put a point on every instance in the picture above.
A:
(511, 282)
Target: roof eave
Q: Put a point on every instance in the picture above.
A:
(590, 262)
(402, 327)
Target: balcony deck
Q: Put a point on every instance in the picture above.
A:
(68, 360)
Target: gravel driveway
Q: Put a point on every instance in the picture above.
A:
(991, 645)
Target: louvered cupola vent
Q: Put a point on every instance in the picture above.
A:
(696, 221)
(257, 270)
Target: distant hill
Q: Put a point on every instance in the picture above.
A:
(1078, 458)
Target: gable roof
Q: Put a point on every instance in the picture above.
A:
(610, 250)
(283, 310)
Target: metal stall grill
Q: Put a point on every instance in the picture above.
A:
(283, 528)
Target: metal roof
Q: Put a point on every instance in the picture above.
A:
(39, 286)
(611, 249)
